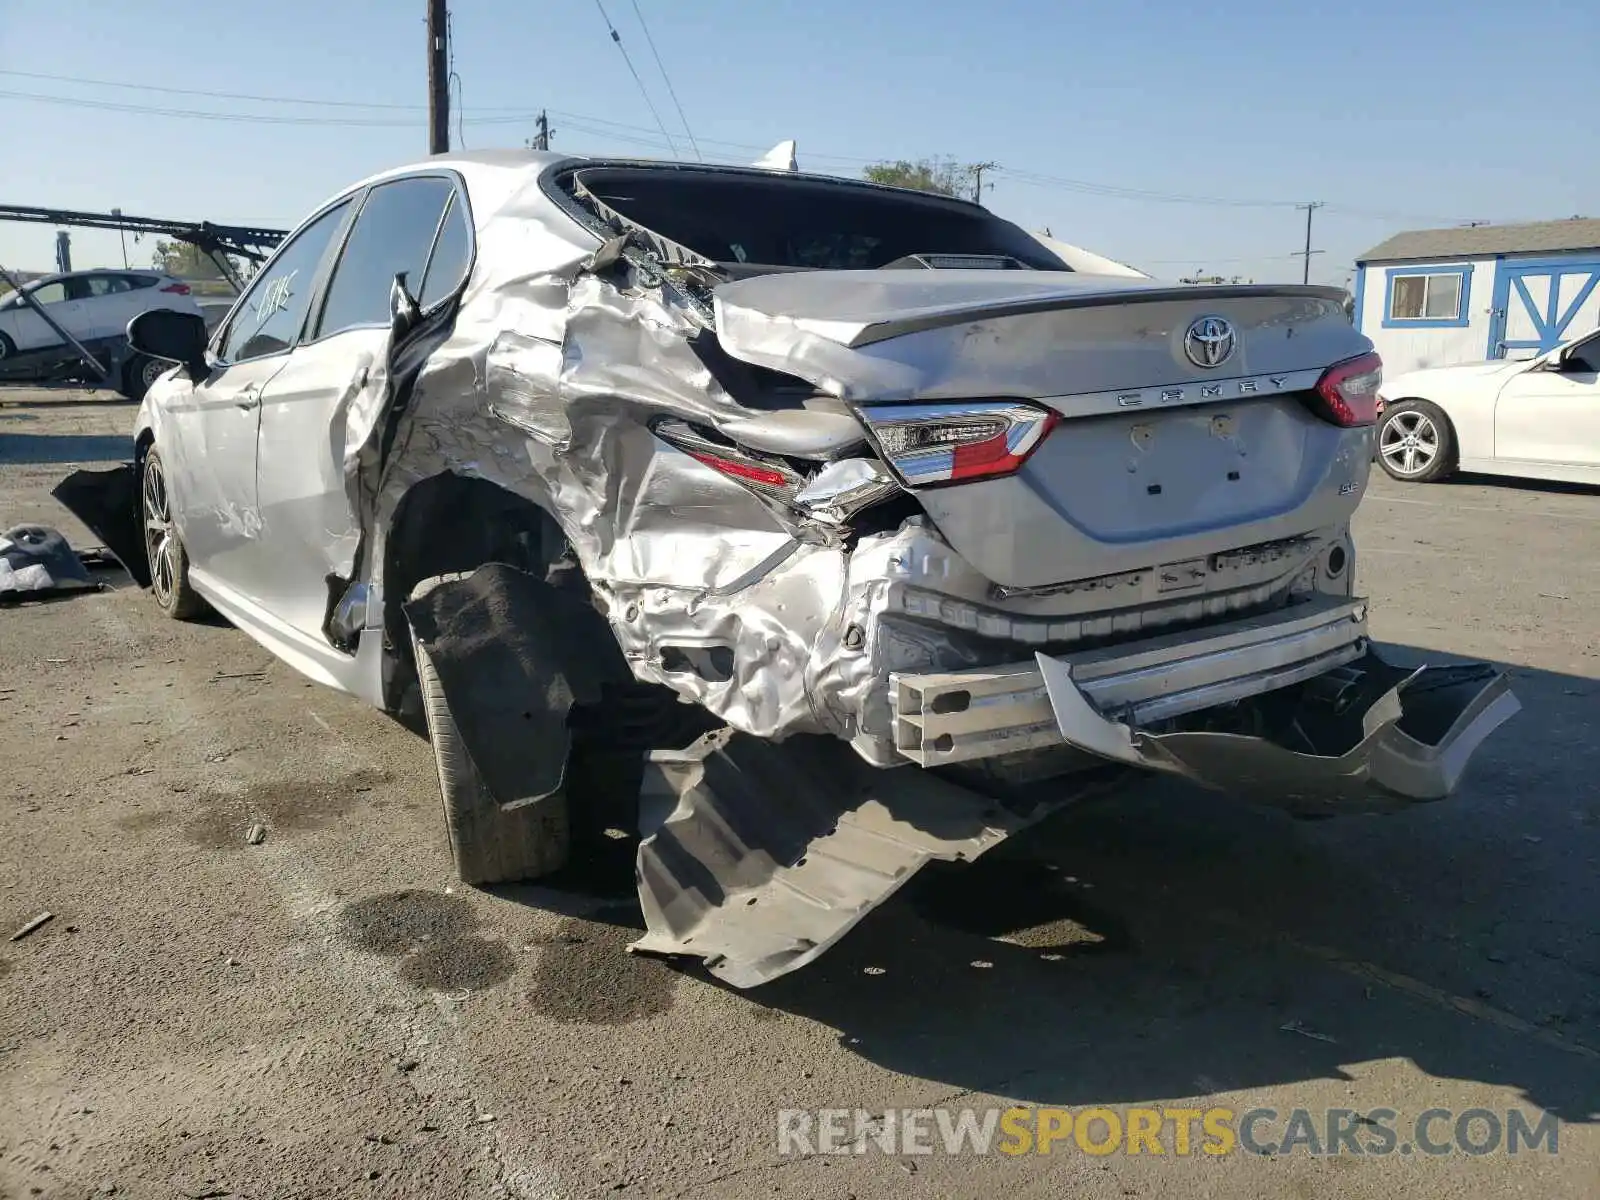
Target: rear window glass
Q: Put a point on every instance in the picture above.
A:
(786, 222)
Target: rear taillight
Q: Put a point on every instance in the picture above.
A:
(931, 444)
(1348, 391)
(767, 476)
(177, 289)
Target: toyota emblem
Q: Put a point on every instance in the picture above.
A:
(1209, 341)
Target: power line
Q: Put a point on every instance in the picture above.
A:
(671, 91)
(1117, 191)
(252, 118)
(321, 102)
(521, 117)
(516, 115)
(450, 40)
(643, 91)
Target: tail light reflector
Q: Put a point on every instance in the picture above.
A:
(179, 289)
(1348, 391)
(932, 444)
(767, 476)
(748, 472)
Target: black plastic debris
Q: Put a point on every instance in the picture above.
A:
(36, 561)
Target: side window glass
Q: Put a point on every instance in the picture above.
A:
(1584, 357)
(50, 293)
(449, 260)
(270, 315)
(137, 282)
(77, 287)
(106, 285)
(391, 235)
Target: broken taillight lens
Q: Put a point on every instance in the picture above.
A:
(179, 289)
(1347, 393)
(932, 444)
(767, 476)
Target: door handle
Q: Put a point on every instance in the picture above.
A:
(249, 398)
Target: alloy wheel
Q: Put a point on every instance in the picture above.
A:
(158, 533)
(1409, 442)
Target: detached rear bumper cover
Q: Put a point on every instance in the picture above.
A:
(1410, 744)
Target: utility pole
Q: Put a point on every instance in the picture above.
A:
(541, 139)
(977, 170)
(438, 79)
(123, 234)
(1305, 274)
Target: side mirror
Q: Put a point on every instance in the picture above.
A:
(172, 336)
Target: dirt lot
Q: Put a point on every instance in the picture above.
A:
(327, 1013)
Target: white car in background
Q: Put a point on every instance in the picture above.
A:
(1538, 419)
(95, 308)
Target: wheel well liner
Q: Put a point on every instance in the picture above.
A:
(452, 523)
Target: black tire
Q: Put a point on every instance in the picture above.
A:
(1415, 442)
(490, 843)
(138, 373)
(169, 561)
(7, 347)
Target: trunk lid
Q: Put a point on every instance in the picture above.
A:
(1158, 459)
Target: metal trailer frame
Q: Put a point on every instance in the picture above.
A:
(217, 242)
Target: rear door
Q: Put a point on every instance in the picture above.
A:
(105, 304)
(208, 434)
(309, 523)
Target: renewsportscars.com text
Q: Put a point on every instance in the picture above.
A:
(1178, 1132)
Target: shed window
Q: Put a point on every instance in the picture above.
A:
(1426, 297)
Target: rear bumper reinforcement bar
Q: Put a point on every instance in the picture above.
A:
(957, 716)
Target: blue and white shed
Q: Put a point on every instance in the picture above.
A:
(1435, 297)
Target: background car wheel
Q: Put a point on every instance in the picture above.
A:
(490, 844)
(139, 372)
(169, 562)
(1415, 442)
(7, 347)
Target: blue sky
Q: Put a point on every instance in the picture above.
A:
(1389, 112)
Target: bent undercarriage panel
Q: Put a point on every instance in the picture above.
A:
(759, 856)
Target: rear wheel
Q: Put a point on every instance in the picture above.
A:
(169, 561)
(490, 843)
(1415, 442)
(139, 372)
(7, 347)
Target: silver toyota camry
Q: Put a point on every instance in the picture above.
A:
(805, 529)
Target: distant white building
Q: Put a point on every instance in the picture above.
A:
(1435, 297)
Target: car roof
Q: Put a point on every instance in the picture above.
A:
(43, 279)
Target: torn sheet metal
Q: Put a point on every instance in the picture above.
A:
(758, 856)
(1360, 749)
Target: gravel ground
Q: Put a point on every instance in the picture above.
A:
(329, 1013)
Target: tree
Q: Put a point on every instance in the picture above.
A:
(184, 260)
(940, 175)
